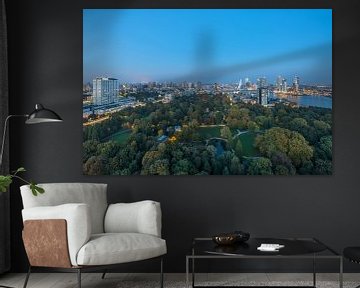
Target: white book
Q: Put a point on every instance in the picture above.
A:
(270, 247)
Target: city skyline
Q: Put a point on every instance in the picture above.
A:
(254, 80)
(136, 46)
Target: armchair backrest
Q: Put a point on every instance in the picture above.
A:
(92, 194)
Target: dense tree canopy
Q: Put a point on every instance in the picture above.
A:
(290, 143)
(281, 140)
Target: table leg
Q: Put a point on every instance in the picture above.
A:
(193, 272)
(314, 271)
(187, 272)
(341, 273)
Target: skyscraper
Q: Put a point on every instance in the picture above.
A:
(296, 84)
(279, 80)
(263, 96)
(105, 90)
(262, 82)
(247, 83)
(283, 85)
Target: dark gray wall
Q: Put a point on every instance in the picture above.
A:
(45, 43)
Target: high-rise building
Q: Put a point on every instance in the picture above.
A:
(263, 96)
(283, 85)
(278, 83)
(296, 84)
(247, 83)
(105, 90)
(262, 82)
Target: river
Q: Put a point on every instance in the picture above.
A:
(310, 100)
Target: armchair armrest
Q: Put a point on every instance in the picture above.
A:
(77, 217)
(138, 217)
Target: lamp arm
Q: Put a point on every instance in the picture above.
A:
(4, 134)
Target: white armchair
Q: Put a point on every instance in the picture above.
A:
(72, 228)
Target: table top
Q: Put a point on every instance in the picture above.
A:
(293, 247)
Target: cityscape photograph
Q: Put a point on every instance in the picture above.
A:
(207, 92)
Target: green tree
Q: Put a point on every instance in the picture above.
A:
(264, 122)
(298, 124)
(323, 149)
(322, 128)
(226, 171)
(253, 126)
(183, 167)
(149, 158)
(323, 167)
(89, 149)
(159, 167)
(225, 133)
(259, 166)
(235, 166)
(282, 164)
(290, 143)
(238, 148)
(94, 166)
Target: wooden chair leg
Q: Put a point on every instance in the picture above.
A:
(27, 277)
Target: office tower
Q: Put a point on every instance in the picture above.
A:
(283, 85)
(87, 87)
(247, 83)
(279, 81)
(105, 90)
(296, 84)
(262, 82)
(263, 96)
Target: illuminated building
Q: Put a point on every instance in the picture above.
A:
(263, 96)
(105, 90)
(262, 82)
(296, 84)
(283, 85)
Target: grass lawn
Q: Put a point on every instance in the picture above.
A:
(120, 136)
(209, 132)
(248, 140)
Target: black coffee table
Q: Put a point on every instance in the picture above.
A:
(295, 248)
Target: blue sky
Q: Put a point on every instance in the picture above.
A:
(208, 45)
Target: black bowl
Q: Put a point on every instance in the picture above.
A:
(225, 239)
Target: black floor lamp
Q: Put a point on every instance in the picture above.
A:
(39, 115)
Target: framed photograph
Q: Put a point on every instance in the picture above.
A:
(207, 91)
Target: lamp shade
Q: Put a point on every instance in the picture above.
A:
(42, 115)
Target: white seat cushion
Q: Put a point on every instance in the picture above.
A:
(113, 248)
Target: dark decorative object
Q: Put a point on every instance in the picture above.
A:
(225, 239)
(241, 236)
(231, 238)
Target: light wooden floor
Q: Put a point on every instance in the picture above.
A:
(113, 280)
